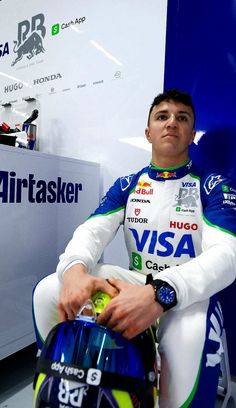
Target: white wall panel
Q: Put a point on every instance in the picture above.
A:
(110, 67)
(39, 210)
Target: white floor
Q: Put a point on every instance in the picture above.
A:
(16, 384)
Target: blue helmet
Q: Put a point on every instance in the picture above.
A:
(83, 364)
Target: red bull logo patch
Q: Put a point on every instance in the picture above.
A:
(166, 174)
(142, 183)
(144, 187)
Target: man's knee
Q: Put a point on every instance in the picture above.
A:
(45, 301)
(48, 287)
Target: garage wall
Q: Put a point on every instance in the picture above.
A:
(93, 68)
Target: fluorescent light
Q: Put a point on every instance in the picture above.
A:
(72, 26)
(106, 53)
(24, 115)
(15, 79)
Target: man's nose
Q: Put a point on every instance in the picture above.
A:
(172, 120)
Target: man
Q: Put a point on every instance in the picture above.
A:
(180, 226)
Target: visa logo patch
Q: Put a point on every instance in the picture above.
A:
(188, 184)
(162, 244)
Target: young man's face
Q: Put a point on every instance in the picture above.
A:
(170, 132)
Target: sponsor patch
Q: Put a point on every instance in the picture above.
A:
(155, 267)
(164, 244)
(187, 197)
(211, 182)
(136, 261)
(166, 174)
(125, 182)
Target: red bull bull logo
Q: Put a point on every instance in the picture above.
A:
(166, 174)
(144, 187)
(142, 183)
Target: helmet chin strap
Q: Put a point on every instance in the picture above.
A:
(87, 312)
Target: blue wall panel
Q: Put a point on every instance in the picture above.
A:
(201, 60)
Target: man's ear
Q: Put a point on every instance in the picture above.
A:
(193, 136)
(148, 136)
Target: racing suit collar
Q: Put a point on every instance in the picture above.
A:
(173, 173)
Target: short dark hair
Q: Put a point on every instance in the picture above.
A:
(172, 95)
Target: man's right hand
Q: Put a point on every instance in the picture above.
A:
(77, 287)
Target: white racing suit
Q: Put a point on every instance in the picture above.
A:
(180, 225)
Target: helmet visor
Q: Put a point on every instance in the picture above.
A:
(86, 344)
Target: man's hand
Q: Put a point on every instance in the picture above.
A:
(77, 287)
(132, 311)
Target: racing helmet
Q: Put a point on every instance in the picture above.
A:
(83, 364)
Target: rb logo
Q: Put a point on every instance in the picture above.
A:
(30, 44)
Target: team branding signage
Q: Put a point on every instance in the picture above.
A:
(30, 37)
(56, 27)
(14, 189)
(4, 49)
(13, 87)
(17, 86)
(47, 78)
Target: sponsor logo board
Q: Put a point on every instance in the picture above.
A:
(14, 189)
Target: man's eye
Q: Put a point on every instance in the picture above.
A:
(161, 117)
(182, 118)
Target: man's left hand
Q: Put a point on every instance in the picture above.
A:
(132, 310)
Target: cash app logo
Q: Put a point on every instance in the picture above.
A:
(225, 189)
(136, 261)
(55, 29)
